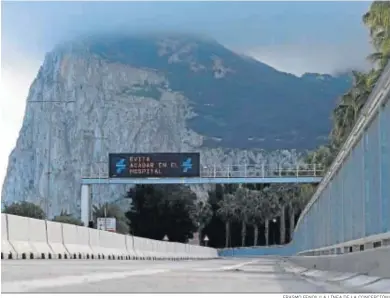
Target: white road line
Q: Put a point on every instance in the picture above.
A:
(225, 268)
(30, 285)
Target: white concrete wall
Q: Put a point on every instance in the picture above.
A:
(130, 247)
(18, 235)
(28, 237)
(113, 242)
(56, 241)
(6, 247)
(373, 262)
(38, 238)
(24, 237)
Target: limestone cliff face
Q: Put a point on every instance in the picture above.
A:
(84, 106)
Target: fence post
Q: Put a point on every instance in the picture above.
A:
(215, 172)
(245, 170)
(280, 171)
(262, 170)
(314, 170)
(297, 170)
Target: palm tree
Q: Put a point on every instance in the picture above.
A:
(363, 85)
(377, 19)
(242, 199)
(227, 211)
(268, 209)
(202, 215)
(282, 196)
(255, 198)
(296, 204)
(346, 114)
(341, 121)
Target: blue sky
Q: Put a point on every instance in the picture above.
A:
(296, 37)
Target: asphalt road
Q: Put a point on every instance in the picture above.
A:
(261, 275)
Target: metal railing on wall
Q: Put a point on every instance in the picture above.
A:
(351, 201)
(100, 171)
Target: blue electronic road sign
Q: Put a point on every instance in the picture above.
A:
(187, 165)
(154, 165)
(120, 165)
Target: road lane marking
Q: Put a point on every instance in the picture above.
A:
(31, 285)
(226, 268)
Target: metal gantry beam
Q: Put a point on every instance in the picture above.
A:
(216, 174)
(202, 180)
(210, 174)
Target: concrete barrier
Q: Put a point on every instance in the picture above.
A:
(205, 251)
(24, 237)
(139, 249)
(372, 262)
(362, 282)
(55, 240)
(38, 238)
(158, 250)
(76, 241)
(143, 248)
(211, 253)
(7, 250)
(193, 252)
(165, 248)
(28, 237)
(18, 236)
(180, 251)
(99, 252)
(151, 247)
(199, 252)
(173, 251)
(214, 253)
(130, 247)
(115, 244)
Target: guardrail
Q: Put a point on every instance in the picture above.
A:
(29, 238)
(100, 170)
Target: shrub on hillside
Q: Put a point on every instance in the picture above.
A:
(64, 217)
(25, 209)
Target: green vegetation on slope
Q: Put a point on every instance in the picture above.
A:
(26, 209)
(351, 103)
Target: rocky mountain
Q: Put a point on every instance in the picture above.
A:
(158, 93)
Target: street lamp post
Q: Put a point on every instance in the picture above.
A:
(100, 163)
(273, 231)
(46, 202)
